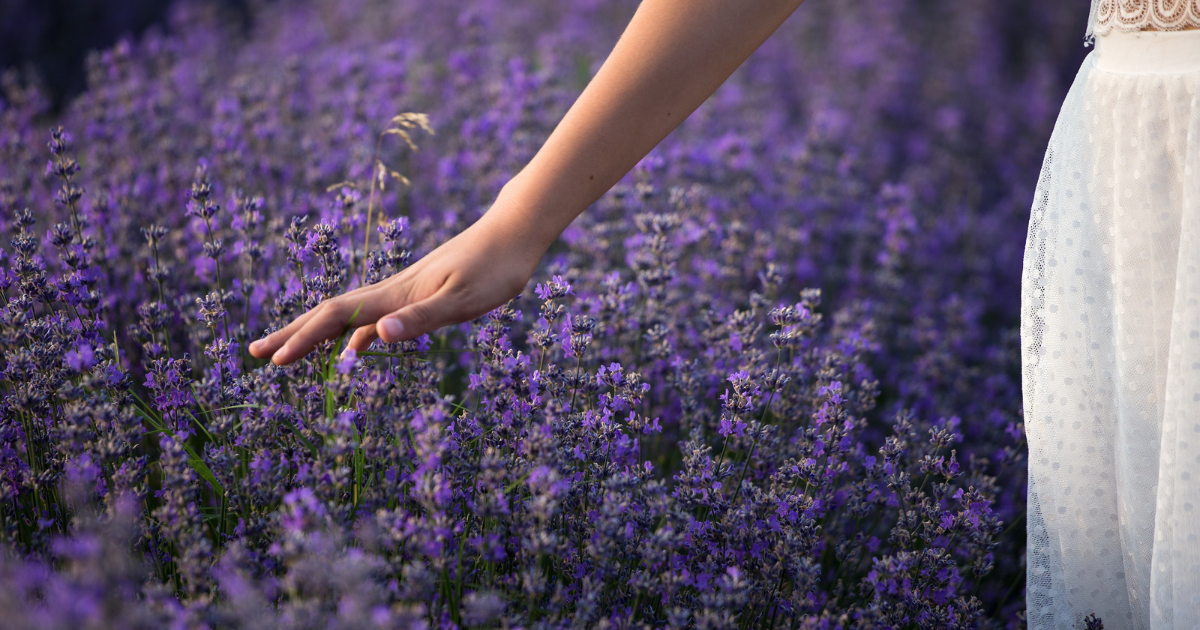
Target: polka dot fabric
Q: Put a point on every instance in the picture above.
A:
(1110, 327)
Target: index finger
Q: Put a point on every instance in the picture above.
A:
(329, 320)
(268, 345)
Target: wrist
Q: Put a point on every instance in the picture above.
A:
(530, 215)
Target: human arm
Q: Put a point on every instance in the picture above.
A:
(673, 55)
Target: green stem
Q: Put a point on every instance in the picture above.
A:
(217, 263)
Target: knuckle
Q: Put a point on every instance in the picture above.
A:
(422, 315)
(457, 294)
(336, 308)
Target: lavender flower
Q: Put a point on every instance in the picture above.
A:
(771, 379)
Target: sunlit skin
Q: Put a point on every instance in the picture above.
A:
(672, 56)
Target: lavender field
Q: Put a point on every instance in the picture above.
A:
(770, 380)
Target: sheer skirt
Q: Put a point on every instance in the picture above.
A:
(1110, 328)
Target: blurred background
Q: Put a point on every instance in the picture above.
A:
(49, 39)
(885, 151)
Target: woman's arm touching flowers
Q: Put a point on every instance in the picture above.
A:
(479, 269)
(673, 55)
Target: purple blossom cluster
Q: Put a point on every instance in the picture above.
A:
(770, 380)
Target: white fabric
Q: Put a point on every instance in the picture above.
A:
(1110, 331)
(1149, 53)
(1128, 16)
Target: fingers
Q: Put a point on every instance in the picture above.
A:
(420, 318)
(362, 338)
(270, 344)
(327, 321)
(384, 310)
(267, 346)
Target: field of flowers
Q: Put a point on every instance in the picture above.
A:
(771, 380)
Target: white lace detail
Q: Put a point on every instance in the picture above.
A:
(1127, 16)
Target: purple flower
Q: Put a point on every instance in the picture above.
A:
(80, 358)
(694, 427)
(347, 360)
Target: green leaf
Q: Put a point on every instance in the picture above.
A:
(245, 406)
(203, 470)
(194, 460)
(513, 486)
(303, 440)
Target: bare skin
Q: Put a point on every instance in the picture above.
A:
(673, 55)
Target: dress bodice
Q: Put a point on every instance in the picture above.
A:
(1127, 16)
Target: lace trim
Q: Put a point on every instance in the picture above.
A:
(1127, 16)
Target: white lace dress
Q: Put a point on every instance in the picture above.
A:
(1110, 331)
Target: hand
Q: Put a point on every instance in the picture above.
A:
(476, 271)
(671, 58)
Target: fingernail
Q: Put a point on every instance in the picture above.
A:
(279, 355)
(392, 328)
(254, 345)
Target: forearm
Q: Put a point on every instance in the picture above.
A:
(673, 55)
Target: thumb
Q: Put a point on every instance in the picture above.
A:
(418, 318)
